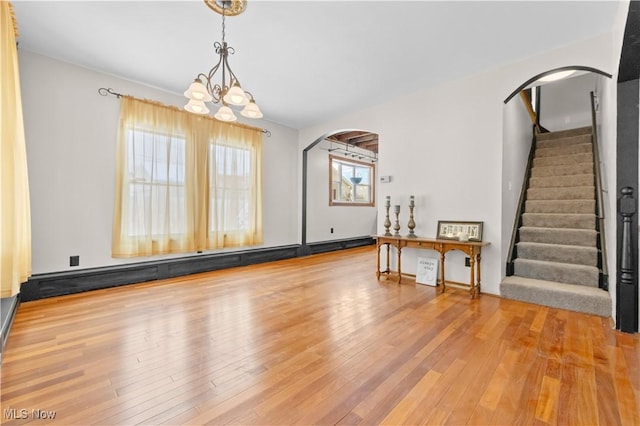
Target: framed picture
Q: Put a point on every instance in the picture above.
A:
(456, 230)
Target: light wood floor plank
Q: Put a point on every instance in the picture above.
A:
(313, 340)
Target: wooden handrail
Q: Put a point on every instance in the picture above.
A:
(599, 200)
(532, 114)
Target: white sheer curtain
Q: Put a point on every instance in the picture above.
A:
(15, 213)
(184, 182)
(235, 187)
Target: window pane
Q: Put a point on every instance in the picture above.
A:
(365, 174)
(363, 193)
(156, 178)
(230, 188)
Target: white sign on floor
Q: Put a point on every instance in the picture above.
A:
(427, 271)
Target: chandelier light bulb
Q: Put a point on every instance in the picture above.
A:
(225, 114)
(251, 110)
(196, 107)
(198, 92)
(235, 96)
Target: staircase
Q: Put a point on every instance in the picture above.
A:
(557, 260)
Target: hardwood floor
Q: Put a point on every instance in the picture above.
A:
(315, 340)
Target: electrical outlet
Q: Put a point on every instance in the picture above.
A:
(467, 262)
(74, 260)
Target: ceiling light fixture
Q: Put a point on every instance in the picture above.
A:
(228, 92)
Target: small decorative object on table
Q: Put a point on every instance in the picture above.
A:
(396, 226)
(461, 231)
(412, 224)
(387, 222)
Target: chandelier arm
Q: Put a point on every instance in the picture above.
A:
(251, 98)
(232, 75)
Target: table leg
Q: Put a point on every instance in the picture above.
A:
(472, 281)
(388, 256)
(378, 263)
(399, 264)
(442, 279)
(478, 266)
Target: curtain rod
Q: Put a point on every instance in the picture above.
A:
(109, 91)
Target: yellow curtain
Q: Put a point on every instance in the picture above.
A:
(15, 215)
(184, 182)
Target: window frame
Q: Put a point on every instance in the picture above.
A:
(371, 166)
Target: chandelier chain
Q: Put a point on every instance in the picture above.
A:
(224, 8)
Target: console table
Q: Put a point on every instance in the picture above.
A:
(471, 248)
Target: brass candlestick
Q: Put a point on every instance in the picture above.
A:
(412, 224)
(396, 226)
(387, 222)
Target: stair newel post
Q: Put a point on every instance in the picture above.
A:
(626, 291)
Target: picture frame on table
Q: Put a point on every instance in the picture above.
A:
(459, 230)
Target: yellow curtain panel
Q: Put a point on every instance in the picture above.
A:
(15, 215)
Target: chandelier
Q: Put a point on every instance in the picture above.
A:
(228, 91)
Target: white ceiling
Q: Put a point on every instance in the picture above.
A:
(307, 61)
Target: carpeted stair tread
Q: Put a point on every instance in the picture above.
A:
(559, 220)
(562, 181)
(567, 273)
(569, 236)
(560, 253)
(563, 193)
(575, 298)
(563, 170)
(560, 206)
(569, 140)
(564, 133)
(563, 160)
(570, 149)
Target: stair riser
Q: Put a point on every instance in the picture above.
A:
(575, 193)
(560, 206)
(568, 274)
(564, 134)
(567, 170)
(583, 148)
(561, 181)
(574, 255)
(574, 237)
(563, 160)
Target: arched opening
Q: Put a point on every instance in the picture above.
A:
(536, 78)
(339, 186)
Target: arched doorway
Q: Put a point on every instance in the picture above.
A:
(327, 211)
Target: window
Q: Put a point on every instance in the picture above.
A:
(184, 183)
(352, 182)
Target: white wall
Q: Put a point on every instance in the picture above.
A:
(444, 144)
(70, 136)
(346, 221)
(516, 144)
(566, 104)
(607, 121)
